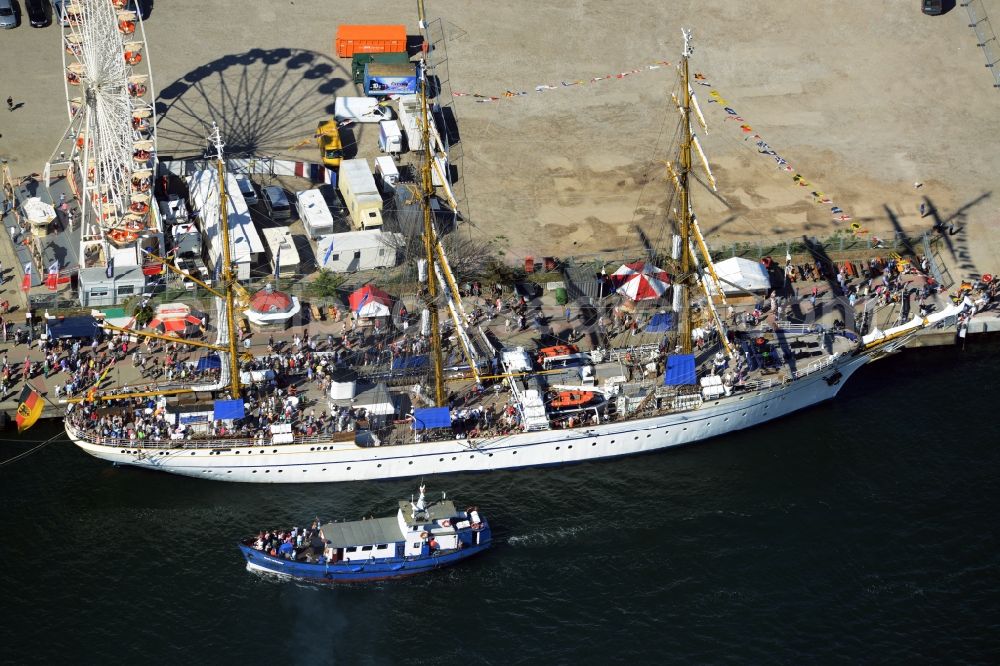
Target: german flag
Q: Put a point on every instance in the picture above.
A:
(29, 409)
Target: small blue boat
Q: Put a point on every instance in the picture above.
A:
(421, 536)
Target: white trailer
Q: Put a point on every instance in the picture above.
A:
(386, 173)
(356, 182)
(281, 250)
(360, 110)
(314, 213)
(411, 118)
(359, 251)
(390, 138)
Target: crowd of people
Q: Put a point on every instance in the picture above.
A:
(288, 544)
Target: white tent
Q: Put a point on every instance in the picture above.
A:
(38, 212)
(745, 274)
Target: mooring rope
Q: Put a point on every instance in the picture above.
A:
(32, 450)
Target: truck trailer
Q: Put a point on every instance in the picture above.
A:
(357, 184)
(383, 79)
(390, 138)
(353, 39)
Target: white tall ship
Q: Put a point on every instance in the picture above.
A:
(589, 412)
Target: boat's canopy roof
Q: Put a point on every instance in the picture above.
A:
(433, 511)
(362, 532)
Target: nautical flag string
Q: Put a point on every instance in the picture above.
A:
(542, 87)
(763, 148)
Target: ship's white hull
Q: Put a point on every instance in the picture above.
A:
(338, 461)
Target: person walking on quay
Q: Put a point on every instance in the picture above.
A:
(10, 103)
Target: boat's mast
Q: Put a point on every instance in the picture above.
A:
(684, 326)
(227, 269)
(427, 191)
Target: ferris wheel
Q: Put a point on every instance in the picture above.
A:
(109, 98)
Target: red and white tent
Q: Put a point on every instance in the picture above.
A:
(174, 319)
(369, 301)
(640, 281)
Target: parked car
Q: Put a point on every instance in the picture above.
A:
(139, 7)
(276, 202)
(932, 7)
(247, 189)
(38, 13)
(528, 290)
(330, 148)
(59, 12)
(8, 15)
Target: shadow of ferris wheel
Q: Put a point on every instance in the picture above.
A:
(266, 103)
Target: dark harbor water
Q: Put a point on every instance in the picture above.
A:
(864, 530)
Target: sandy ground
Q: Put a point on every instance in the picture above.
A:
(863, 99)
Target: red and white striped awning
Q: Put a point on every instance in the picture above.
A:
(640, 281)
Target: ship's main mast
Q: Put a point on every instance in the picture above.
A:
(685, 283)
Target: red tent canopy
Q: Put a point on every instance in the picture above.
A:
(177, 325)
(640, 281)
(369, 301)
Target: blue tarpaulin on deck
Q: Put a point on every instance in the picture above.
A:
(228, 409)
(431, 417)
(409, 362)
(660, 323)
(73, 327)
(680, 370)
(210, 362)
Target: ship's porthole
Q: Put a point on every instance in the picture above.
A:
(267, 471)
(274, 451)
(570, 446)
(454, 457)
(229, 471)
(612, 441)
(312, 448)
(593, 443)
(237, 453)
(410, 463)
(557, 448)
(440, 459)
(491, 455)
(280, 471)
(348, 469)
(254, 472)
(380, 464)
(648, 436)
(192, 453)
(514, 452)
(471, 457)
(725, 419)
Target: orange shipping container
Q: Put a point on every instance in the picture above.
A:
(353, 39)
